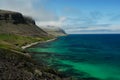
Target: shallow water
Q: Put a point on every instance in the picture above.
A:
(84, 56)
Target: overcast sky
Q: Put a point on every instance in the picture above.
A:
(75, 16)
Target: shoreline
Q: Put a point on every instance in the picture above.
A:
(35, 43)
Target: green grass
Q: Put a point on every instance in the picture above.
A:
(12, 41)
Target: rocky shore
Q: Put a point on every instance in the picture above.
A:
(15, 66)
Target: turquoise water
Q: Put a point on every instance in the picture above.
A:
(83, 56)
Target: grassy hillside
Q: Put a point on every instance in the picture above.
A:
(12, 41)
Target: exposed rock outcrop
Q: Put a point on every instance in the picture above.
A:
(11, 17)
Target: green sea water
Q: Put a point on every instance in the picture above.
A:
(88, 57)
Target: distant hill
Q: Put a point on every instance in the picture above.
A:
(53, 30)
(16, 23)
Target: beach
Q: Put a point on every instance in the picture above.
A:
(35, 43)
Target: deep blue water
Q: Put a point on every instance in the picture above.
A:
(83, 56)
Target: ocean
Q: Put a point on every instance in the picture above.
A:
(83, 56)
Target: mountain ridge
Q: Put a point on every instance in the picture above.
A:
(54, 30)
(16, 23)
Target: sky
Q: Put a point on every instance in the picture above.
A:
(74, 16)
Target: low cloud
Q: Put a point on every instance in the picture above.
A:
(100, 29)
(42, 15)
(115, 18)
(93, 22)
(58, 23)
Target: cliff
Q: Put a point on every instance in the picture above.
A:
(53, 30)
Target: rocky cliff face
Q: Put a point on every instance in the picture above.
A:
(55, 31)
(11, 17)
(16, 23)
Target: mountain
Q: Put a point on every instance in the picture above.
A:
(53, 30)
(16, 23)
(16, 31)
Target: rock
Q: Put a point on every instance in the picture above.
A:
(11, 17)
(14, 66)
(38, 72)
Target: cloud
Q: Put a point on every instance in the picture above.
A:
(92, 22)
(29, 8)
(71, 19)
(115, 18)
(69, 11)
(96, 15)
(57, 23)
(100, 29)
